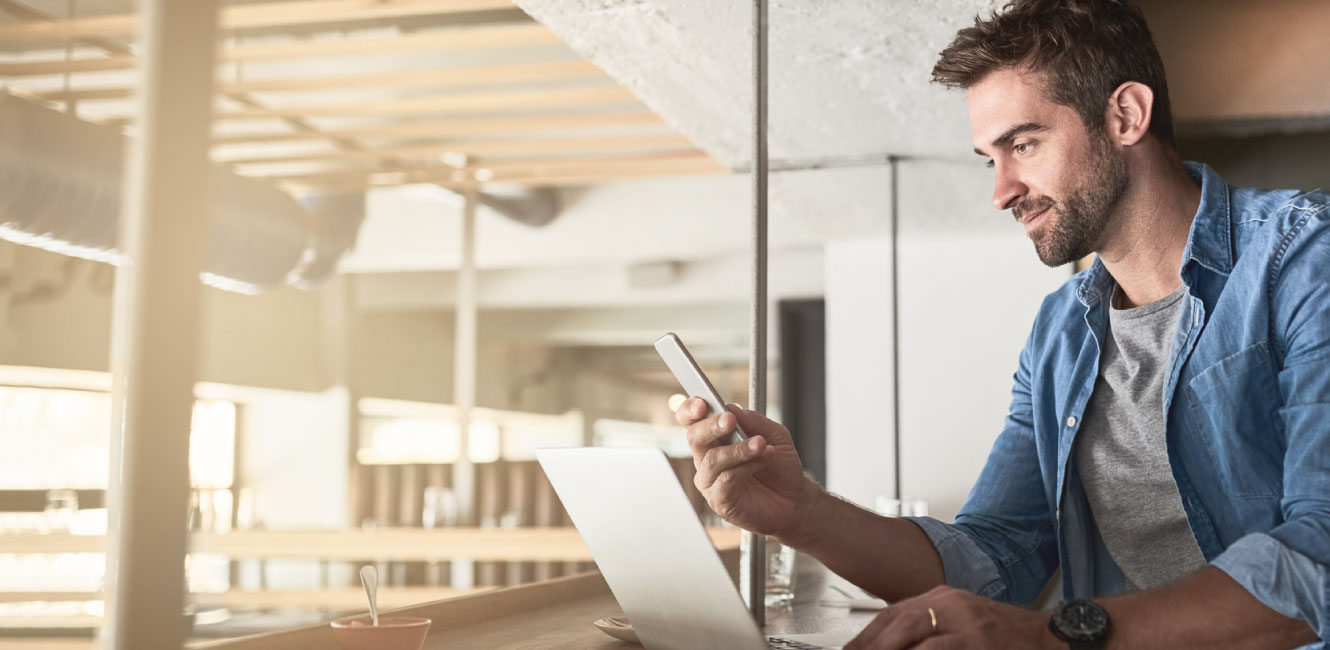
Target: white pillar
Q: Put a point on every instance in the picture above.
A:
(156, 326)
(464, 381)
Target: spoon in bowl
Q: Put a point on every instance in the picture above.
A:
(369, 578)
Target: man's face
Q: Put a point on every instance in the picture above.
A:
(1059, 179)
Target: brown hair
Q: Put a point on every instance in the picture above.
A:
(1084, 48)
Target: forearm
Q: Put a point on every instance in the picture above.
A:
(1207, 609)
(887, 556)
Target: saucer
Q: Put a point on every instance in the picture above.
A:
(617, 627)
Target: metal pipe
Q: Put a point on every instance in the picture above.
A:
(755, 589)
(155, 332)
(894, 164)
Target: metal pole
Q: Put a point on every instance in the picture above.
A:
(755, 589)
(156, 326)
(894, 164)
(464, 379)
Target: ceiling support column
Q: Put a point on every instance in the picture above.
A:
(155, 334)
(464, 376)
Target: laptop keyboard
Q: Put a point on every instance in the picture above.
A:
(777, 643)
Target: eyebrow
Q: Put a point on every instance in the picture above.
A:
(1010, 134)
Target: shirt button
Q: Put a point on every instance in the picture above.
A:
(1071, 421)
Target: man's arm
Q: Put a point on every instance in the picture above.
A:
(1205, 610)
(1002, 546)
(759, 485)
(888, 556)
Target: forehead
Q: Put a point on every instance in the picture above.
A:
(1006, 98)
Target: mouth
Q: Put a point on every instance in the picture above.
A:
(1033, 219)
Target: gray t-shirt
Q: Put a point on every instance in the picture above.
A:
(1121, 454)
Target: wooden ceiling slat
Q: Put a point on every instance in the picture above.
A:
(468, 102)
(693, 160)
(609, 176)
(460, 103)
(469, 127)
(435, 77)
(470, 38)
(491, 147)
(250, 16)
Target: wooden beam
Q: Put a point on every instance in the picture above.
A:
(442, 78)
(456, 39)
(491, 147)
(258, 15)
(482, 102)
(459, 127)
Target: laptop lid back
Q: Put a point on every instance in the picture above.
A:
(648, 543)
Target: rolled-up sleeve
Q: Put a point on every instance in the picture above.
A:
(1281, 578)
(966, 565)
(1287, 581)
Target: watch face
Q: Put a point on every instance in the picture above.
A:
(1082, 620)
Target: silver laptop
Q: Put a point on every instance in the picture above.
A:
(655, 554)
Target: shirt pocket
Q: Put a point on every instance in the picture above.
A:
(1234, 409)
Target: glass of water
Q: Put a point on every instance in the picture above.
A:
(780, 573)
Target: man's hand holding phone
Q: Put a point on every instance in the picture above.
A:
(757, 484)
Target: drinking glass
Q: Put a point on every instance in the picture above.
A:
(779, 568)
(61, 506)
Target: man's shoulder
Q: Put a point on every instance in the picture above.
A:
(1267, 223)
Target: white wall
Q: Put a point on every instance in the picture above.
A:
(967, 304)
(970, 285)
(294, 456)
(860, 448)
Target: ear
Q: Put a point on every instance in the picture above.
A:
(1129, 112)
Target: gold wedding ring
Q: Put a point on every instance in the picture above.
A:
(933, 617)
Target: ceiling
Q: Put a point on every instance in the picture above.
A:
(603, 99)
(347, 94)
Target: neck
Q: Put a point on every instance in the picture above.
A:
(1143, 248)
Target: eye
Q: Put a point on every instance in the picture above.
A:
(1023, 147)
(989, 164)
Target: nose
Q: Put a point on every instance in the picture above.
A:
(1007, 189)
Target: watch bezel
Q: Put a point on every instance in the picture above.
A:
(1078, 640)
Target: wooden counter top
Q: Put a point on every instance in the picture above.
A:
(557, 615)
(397, 544)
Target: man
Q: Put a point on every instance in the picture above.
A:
(1168, 441)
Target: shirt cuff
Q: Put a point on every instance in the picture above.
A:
(1281, 578)
(966, 565)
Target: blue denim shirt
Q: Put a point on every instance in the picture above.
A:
(1247, 400)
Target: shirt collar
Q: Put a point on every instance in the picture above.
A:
(1209, 244)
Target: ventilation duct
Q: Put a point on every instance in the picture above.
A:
(60, 189)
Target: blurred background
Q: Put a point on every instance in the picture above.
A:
(604, 147)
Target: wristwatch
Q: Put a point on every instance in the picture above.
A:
(1081, 623)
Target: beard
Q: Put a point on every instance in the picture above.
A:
(1078, 222)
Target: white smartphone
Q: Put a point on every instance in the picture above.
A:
(691, 377)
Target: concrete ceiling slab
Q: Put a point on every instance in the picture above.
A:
(847, 78)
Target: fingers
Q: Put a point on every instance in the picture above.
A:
(941, 642)
(729, 463)
(703, 435)
(896, 628)
(692, 410)
(754, 423)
